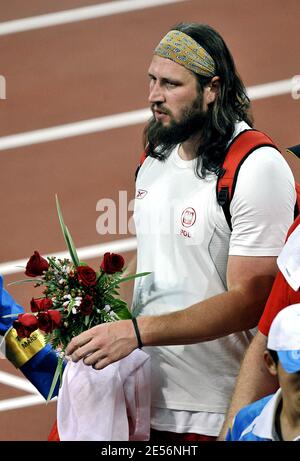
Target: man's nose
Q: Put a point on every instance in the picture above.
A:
(156, 94)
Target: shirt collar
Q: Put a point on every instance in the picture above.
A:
(263, 425)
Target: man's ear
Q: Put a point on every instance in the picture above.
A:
(270, 364)
(213, 89)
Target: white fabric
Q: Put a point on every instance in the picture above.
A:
(112, 404)
(289, 260)
(284, 334)
(183, 422)
(184, 240)
(262, 205)
(264, 424)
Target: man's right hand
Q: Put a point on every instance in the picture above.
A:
(103, 344)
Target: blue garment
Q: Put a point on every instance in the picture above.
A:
(244, 420)
(40, 369)
(8, 306)
(257, 421)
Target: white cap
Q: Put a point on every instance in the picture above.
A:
(284, 337)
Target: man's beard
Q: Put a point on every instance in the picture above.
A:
(191, 122)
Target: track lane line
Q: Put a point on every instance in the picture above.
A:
(79, 14)
(122, 120)
(11, 380)
(84, 253)
(21, 402)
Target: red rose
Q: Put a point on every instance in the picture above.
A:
(112, 263)
(25, 325)
(36, 265)
(49, 320)
(86, 305)
(38, 305)
(86, 275)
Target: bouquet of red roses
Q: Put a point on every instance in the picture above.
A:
(75, 297)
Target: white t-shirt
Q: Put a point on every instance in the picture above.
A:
(183, 239)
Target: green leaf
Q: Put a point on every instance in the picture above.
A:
(53, 264)
(123, 314)
(67, 235)
(86, 320)
(57, 375)
(70, 306)
(121, 309)
(134, 276)
(61, 374)
(8, 315)
(125, 279)
(92, 318)
(20, 282)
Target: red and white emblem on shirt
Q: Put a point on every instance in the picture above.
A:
(140, 193)
(188, 217)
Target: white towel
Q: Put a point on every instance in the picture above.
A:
(289, 260)
(112, 404)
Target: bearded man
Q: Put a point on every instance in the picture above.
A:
(208, 284)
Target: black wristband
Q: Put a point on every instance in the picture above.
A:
(137, 332)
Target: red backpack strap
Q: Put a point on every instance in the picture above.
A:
(142, 159)
(295, 150)
(297, 206)
(295, 224)
(240, 148)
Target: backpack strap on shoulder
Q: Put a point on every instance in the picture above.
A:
(295, 151)
(297, 205)
(142, 159)
(237, 152)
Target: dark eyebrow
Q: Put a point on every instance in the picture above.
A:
(172, 80)
(167, 80)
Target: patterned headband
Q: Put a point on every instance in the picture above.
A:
(181, 48)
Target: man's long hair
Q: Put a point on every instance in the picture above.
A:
(231, 105)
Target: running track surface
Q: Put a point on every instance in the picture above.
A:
(94, 68)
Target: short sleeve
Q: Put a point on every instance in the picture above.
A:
(262, 207)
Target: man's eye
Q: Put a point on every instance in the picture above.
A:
(171, 84)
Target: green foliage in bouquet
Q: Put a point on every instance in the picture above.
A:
(75, 297)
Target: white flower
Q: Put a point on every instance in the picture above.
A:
(74, 310)
(113, 316)
(107, 308)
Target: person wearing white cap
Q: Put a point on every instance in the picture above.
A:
(254, 381)
(277, 416)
